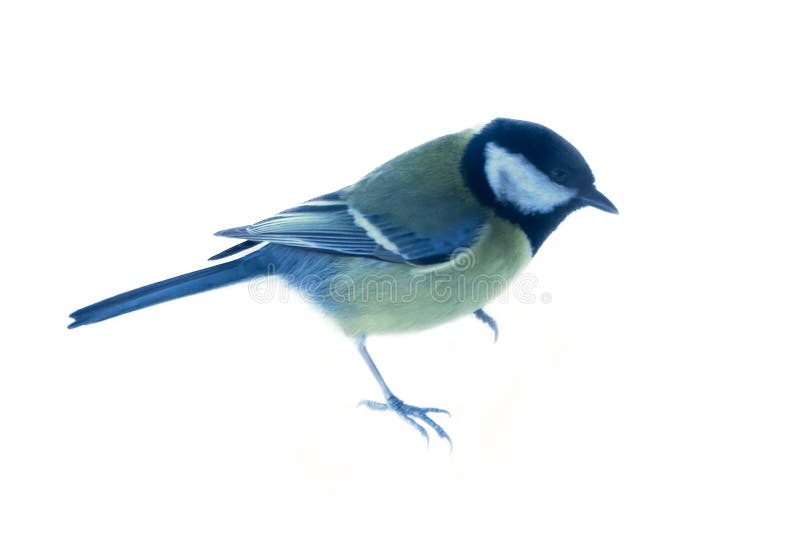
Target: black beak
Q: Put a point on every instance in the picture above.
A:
(593, 197)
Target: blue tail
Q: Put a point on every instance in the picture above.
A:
(174, 288)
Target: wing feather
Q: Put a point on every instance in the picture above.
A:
(414, 209)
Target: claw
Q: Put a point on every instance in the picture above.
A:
(378, 406)
(488, 320)
(410, 412)
(435, 410)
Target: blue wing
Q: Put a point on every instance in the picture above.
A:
(332, 224)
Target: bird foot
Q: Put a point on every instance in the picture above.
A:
(488, 320)
(410, 412)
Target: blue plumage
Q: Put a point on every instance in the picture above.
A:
(173, 288)
(333, 224)
(234, 250)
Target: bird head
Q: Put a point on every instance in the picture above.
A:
(530, 175)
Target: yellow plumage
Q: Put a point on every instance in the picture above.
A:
(376, 297)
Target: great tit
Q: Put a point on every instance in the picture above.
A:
(429, 236)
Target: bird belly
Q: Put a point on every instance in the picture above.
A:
(368, 297)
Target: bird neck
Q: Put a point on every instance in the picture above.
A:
(539, 227)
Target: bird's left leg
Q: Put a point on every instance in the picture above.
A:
(407, 412)
(488, 320)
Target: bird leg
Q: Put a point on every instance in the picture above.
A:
(488, 320)
(406, 412)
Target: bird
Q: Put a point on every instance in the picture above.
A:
(429, 236)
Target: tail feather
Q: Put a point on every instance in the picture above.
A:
(238, 248)
(173, 288)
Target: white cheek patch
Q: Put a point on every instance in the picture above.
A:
(514, 180)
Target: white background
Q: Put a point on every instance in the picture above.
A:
(653, 402)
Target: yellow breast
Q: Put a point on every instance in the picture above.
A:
(375, 297)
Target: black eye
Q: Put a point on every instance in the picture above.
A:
(559, 175)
